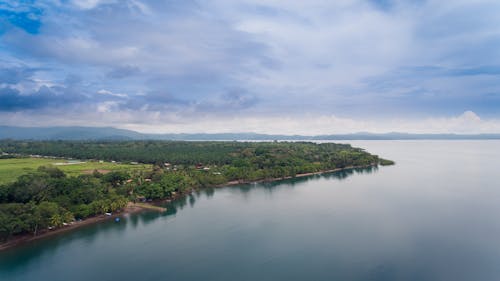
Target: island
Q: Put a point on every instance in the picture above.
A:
(127, 176)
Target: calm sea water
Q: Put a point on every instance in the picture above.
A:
(433, 216)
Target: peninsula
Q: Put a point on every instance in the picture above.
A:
(52, 197)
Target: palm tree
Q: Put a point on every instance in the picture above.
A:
(56, 220)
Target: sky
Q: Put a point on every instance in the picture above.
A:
(265, 66)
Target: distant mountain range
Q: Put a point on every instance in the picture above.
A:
(109, 133)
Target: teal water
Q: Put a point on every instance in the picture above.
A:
(435, 215)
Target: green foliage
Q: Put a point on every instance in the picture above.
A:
(239, 154)
(47, 197)
(385, 162)
(51, 171)
(15, 218)
(166, 185)
(115, 178)
(15, 166)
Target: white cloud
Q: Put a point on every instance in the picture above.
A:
(89, 4)
(106, 106)
(105, 114)
(109, 93)
(320, 125)
(309, 67)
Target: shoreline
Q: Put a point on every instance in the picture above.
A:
(238, 182)
(133, 208)
(29, 238)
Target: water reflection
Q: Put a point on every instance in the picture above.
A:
(338, 175)
(269, 186)
(192, 199)
(433, 216)
(15, 259)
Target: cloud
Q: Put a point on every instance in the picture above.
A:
(109, 93)
(14, 75)
(54, 97)
(123, 71)
(89, 4)
(235, 60)
(227, 103)
(105, 114)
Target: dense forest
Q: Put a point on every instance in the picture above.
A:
(190, 153)
(48, 198)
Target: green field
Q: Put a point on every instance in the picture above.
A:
(10, 169)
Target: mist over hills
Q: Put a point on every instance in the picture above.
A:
(110, 133)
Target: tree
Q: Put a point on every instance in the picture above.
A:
(56, 220)
(115, 178)
(52, 171)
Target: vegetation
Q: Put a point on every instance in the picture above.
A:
(51, 196)
(12, 167)
(385, 162)
(301, 156)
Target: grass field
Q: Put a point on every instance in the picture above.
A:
(10, 169)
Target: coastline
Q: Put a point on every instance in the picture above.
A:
(233, 183)
(133, 208)
(28, 238)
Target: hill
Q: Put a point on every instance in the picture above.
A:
(110, 133)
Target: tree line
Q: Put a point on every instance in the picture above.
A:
(49, 198)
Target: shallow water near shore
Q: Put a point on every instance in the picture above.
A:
(435, 215)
